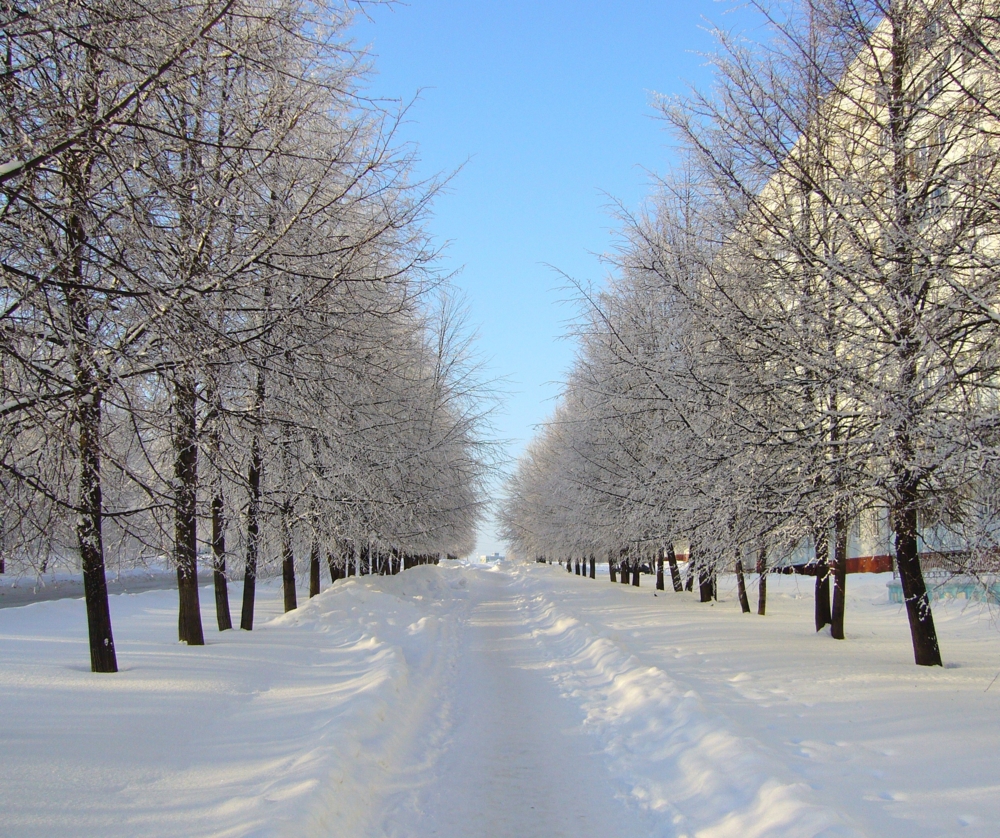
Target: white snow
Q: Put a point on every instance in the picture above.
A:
(501, 701)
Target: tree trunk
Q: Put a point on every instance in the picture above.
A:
(635, 572)
(839, 572)
(569, 566)
(593, 566)
(704, 582)
(912, 296)
(287, 559)
(334, 566)
(254, 472)
(689, 581)
(314, 569)
(88, 410)
(675, 573)
(612, 568)
(222, 615)
(824, 615)
(89, 533)
(762, 581)
(659, 570)
(185, 441)
(741, 585)
(926, 651)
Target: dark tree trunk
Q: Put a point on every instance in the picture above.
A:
(675, 573)
(926, 651)
(350, 561)
(839, 572)
(635, 572)
(912, 294)
(189, 628)
(334, 566)
(762, 581)
(824, 615)
(741, 585)
(625, 567)
(612, 569)
(253, 519)
(88, 410)
(689, 581)
(89, 533)
(287, 559)
(314, 569)
(222, 615)
(593, 566)
(705, 586)
(659, 570)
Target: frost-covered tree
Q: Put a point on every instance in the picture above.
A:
(214, 268)
(808, 310)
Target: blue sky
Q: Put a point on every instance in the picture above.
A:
(545, 108)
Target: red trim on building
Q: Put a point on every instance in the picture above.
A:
(870, 564)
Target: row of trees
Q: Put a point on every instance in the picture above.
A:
(803, 328)
(218, 305)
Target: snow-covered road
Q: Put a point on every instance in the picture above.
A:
(486, 702)
(517, 762)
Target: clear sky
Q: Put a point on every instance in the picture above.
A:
(545, 107)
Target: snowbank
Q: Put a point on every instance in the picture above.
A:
(295, 728)
(736, 725)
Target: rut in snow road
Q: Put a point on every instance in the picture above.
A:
(517, 763)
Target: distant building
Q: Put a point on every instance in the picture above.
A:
(496, 557)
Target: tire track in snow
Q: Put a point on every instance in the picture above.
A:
(516, 763)
(388, 748)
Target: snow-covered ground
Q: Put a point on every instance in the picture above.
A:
(499, 701)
